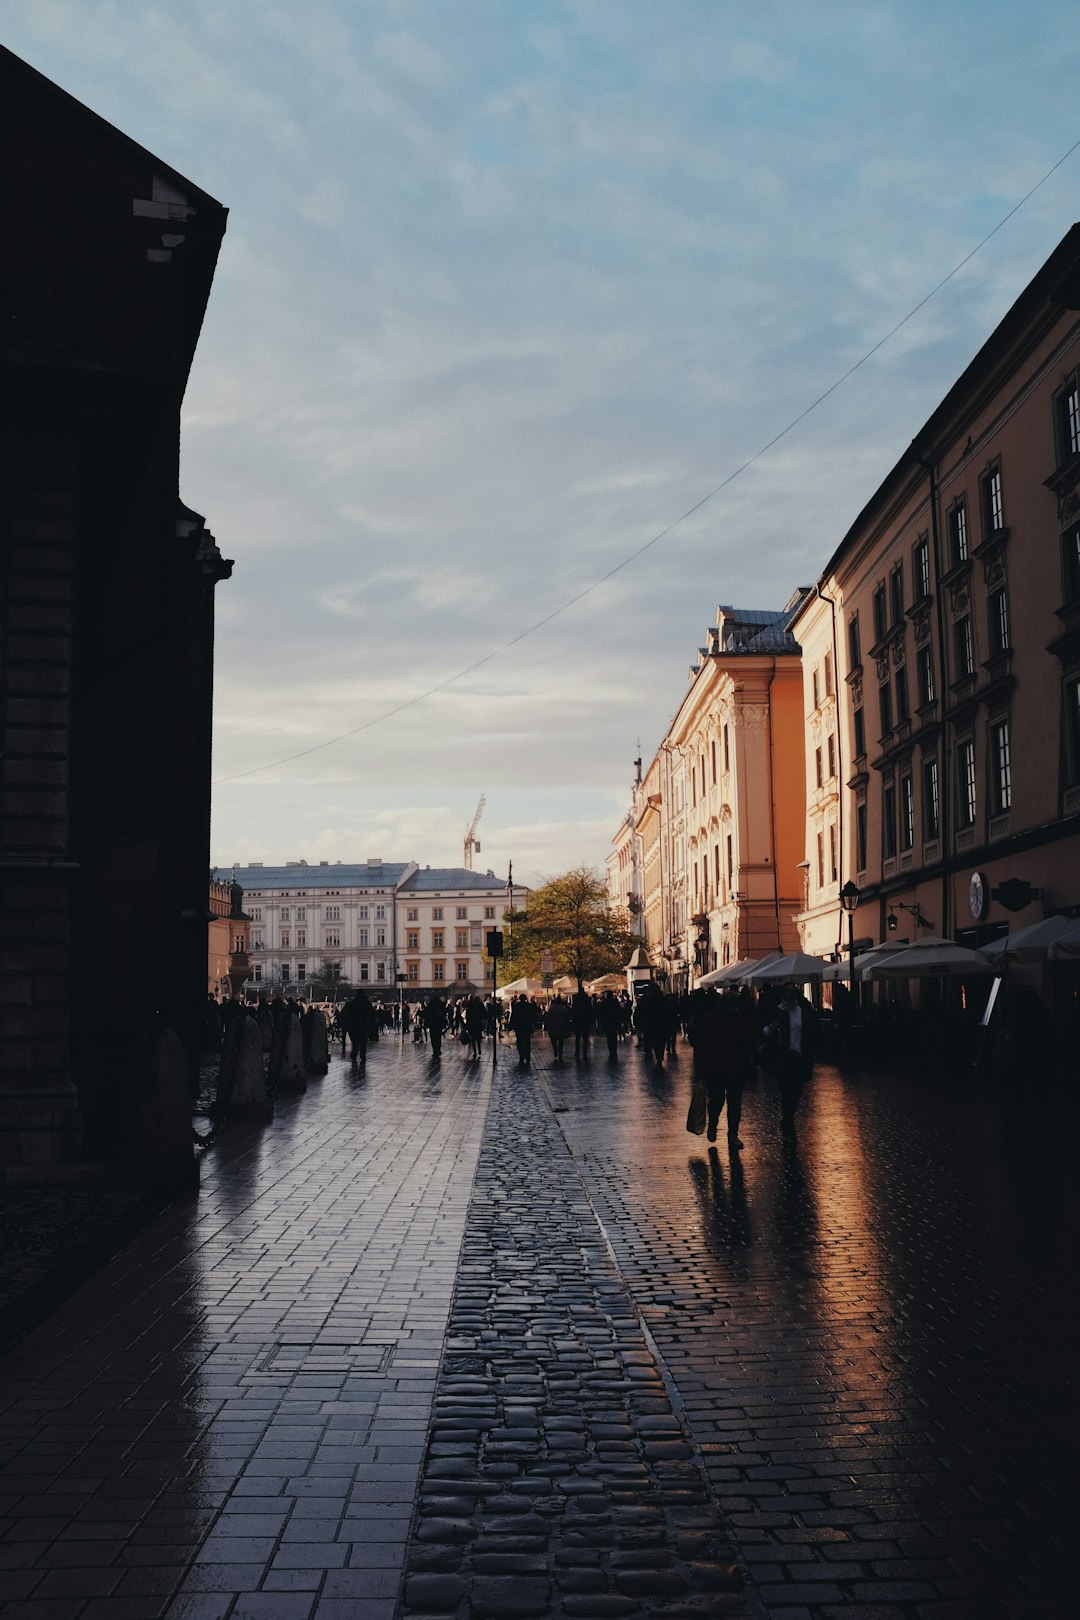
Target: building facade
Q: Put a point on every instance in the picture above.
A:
(717, 818)
(378, 926)
(941, 658)
(107, 588)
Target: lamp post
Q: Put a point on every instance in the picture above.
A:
(849, 899)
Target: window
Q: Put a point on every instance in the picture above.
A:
(333, 913)
(411, 914)
(334, 938)
(257, 944)
(301, 914)
(967, 803)
(1070, 551)
(412, 972)
(853, 647)
(859, 732)
(818, 775)
(730, 861)
(286, 972)
(993, 510)
(900, 683)
(1072, 730)
(412, 940)
(256, 914)
(727, 740)
(363, 973)
(380, 936)
(828, 675)
(301, 936)
(238, 942)
(924, 669)
(964, 647)
(832, 755)
(1069, 420)
(888, 822)
(285, 938)
(885, 705)
(712, 757)
(958, 535)
(693, 786)
(284, 913)
(880, 625)
(364, 935)
(462, 969)
(462, 913)
(821, 860)
(834, 869)
(436, 939)
(896, 594)
(301, 972)
(380, 972)
(438, 972)
(436, 913)
(1001, 767)
(256, 973)
(816, 688)
(380, 913)
(931, 802)
(860, 837)
(997, 612)
(489, 913)
(461, 939)
(907, 813)
(922, 570)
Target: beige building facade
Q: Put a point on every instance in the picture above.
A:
(941, 657)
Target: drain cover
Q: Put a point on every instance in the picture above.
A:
(293, 1358)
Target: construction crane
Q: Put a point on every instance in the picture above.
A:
(472, 843)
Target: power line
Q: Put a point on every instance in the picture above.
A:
(632, 557)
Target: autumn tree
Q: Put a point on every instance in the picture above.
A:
(572, 917)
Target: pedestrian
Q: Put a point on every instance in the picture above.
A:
(359, 1023)
(651, 1017)
(722, 1042)
(581, 1021)
(557, 1024)
(789, 1047)
(433, 1019)
(609, 1017)
(523, 1021)
(475, 1017)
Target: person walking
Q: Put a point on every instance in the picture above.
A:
(475, 1017)
(652, 1021)
(609, 1017)
(433, 1019)
(523, 1022)
(557, 1023)
(581, 1021)
(790, 1046)
(357, 1022)
(721, 1039)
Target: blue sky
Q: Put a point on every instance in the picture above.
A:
(508, 287)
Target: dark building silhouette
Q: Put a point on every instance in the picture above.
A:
(106, 619)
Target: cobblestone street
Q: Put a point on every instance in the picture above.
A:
(429, 1344)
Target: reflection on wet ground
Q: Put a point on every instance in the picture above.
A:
(873, 1330)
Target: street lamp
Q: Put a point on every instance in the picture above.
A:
(849, 899)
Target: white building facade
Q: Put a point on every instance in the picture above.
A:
(375, 925)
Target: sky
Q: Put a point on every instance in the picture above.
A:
(508, 287)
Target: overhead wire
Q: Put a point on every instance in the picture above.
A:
(632, 557)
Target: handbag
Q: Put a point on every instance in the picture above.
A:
(697, 1114)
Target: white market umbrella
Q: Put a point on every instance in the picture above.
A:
(735, 972)
(520, 987)
(933, 959)
(596, 987)
(1033, 943)
(863, 963)
(1068, 946)
(797, 968)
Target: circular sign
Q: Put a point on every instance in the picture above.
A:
(977, 895)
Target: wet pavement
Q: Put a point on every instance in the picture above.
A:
(423, 1347)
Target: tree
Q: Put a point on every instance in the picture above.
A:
(572, 917)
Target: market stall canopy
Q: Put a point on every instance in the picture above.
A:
(933, 959)
(1035, 942)
(520, 987)
(1068, 946)
(608, 981)
(863, 963)
(797, 968)
(735, 971)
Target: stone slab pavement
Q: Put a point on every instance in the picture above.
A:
(429, 1346)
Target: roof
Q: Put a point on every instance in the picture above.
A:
(299, 875)
(434, 878)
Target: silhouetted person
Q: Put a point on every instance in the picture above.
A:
(433, 1019)
(581, 1021)
(523, 1020)
(557, 1023)
(790, 1046)
(722, 1042)
(609, 1017)
(358, 1022)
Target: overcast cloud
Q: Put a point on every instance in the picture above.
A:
(506, 288)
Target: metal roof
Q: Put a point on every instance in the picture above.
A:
(336, 875)
(453, 877)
